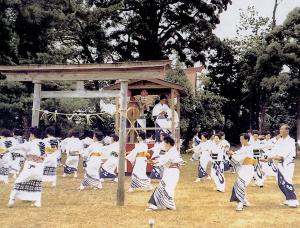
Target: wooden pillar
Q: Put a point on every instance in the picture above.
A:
(36, 103)
(117, 116)
(178, 112)
(173, 113)
(122, 136)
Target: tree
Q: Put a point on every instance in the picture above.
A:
(283, 50)
(153, 30)
(203, 109)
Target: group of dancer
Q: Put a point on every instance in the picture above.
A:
(259, 156)
(34, 161)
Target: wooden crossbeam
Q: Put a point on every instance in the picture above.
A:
(83, 72)
(80, 94)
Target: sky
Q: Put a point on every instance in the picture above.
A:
(230, 18)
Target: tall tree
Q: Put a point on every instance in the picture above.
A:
(152, 30)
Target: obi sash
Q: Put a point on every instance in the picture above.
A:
(249, 161)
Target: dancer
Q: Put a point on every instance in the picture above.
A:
(284, 154)
(225, 145)
(205, 150)
(269, 168)
(138, 157)
(158, 150)
(93, 155)
(50, 161)
(217, 165)
(73, 146)
(28, 185)
(17, 160)
(108, 169)
(164, 195)
(244, 156)
(6, 142)
(257, 146)
(196, 148)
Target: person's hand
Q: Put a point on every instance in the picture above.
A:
(264, 159)
(278, 158)
(230, 152)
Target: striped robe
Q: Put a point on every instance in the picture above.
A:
(245, 173)
(108, 169)
(73, 147)
(217, 167)
(50, 162)
(6, 158)
(93, 155)
(28, 185)
(163, 195)
(286, 149)
(139, 177)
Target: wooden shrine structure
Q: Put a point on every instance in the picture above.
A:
(123, 72)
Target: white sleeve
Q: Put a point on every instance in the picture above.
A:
(132, 155)
(21, 148)
(239, 155)
(85, 152)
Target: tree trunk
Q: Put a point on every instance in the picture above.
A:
(262, 119)
(274, 14)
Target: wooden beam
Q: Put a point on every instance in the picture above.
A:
(72, 76)
(122, 143)
(36, 104)
(80, 94)
(117, 65)
(81, 72)
(147, 87)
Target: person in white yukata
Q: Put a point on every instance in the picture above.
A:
(51, 159)
(6, 159)
(269, 168)
(257, 145)
(108, 169)
(73, 146)
(204, 149)
(195, 148)
(87, 140)
(163, 196)
(17, 159)
(138, 158)
(225, 145)
(217, 164)
(93, 155)
(158, 151)
(162, 114)
(285, 153)
(28, 185)
(245, 157)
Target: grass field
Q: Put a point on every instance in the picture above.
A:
(198, 205)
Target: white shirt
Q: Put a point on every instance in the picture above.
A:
(87, 141)
(242, 153)
(73, 145)
(286, 148)
(217, 154)
(139, 147)
(158, 108)
(172, 156)
(35, 147)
